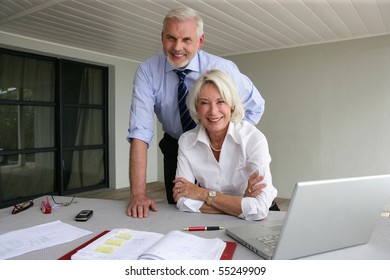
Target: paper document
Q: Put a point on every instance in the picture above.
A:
(129, 244)
(26, 240)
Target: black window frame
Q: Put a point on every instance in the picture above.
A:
(59, 149)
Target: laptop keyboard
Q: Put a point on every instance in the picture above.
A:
(269, 240)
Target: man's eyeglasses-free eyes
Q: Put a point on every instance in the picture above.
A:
(22, 206)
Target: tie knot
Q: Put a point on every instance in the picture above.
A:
(182, 73)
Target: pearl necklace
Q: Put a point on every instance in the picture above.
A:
(214, 149)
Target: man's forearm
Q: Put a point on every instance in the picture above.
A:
(137, 167)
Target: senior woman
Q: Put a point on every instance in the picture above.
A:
(226, 156)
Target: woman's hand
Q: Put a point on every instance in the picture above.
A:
(254, 188)
(184, 188)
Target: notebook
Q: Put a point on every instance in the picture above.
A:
(323, 216)
(227, 253)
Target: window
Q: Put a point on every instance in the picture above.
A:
(53, 126)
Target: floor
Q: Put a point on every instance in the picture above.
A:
(155, 190)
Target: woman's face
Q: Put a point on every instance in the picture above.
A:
(212, 110)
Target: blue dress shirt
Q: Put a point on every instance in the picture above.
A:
(155, 91)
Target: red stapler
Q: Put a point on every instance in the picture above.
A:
(45, 206)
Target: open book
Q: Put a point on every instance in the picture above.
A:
(126, 244)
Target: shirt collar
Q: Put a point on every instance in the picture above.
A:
(203, 137)
(233, 133)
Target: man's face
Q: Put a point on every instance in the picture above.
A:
(180, 42)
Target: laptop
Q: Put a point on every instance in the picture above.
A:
(323, 216)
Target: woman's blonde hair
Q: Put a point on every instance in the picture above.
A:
(225, 87)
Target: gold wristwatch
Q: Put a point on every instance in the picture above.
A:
(212, 194)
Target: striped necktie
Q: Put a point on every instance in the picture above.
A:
(186, 121)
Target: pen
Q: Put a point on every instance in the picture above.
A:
(203, 228)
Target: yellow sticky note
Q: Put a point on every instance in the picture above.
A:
(105, 250)
(114, 242)
(124, 235)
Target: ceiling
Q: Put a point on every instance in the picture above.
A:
(131, 29)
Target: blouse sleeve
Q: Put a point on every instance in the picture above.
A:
(186, 204)
(259, 158)
(183, 168)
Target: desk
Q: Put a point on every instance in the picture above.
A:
(109, 214)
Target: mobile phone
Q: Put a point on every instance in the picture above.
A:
(84, 215)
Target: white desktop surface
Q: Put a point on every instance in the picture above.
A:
(109, 214)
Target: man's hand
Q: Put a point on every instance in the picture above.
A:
(139, 206)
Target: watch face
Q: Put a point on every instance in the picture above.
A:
(212, 194)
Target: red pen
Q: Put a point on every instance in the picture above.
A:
(203, 228)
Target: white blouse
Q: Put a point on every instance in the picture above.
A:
(244, 150)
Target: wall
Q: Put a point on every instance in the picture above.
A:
(327, 109)
(121, 76)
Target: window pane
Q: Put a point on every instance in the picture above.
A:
(26, 127)
(33, 109)
(8, 127)
(82, 127)
(27, 79)
(84, 168)
(26, 175)
(82, 84)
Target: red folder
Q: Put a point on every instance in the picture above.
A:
(229, 250)
(226, 255)
(68, 255)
